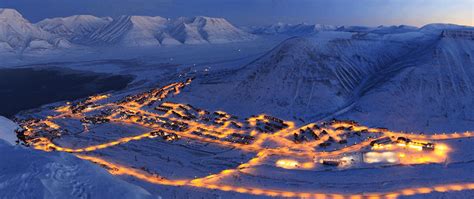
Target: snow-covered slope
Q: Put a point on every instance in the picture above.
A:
(374, 78)
(306, 77)
(18, 33)
(438, 27)
(186, 31)
(26, 173)
(33, 174)
(73, 26)
(7, 130)
(291, 29)
(435, 94)
(414, 80)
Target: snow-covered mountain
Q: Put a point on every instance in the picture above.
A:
(290, 29)
(307, 29)
(435, 93)
(201, 29)
(17, 33)
(419, 73)
(305, 76)
(378, 29)
(73, 26)
(155, 31)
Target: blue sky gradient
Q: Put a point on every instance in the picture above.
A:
(257, 12)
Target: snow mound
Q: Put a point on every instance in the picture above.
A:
(33, 174)
(7, 130)
(39, 45)
(5, 47)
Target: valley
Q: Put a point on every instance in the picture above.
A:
(135, 106)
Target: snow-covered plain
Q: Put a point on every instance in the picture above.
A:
(400, 77)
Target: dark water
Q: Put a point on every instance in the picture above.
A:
(27, 88)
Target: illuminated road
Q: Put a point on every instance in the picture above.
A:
(254, 135)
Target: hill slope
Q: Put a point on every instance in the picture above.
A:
(374, 78)
(305, 77)
(434, 94)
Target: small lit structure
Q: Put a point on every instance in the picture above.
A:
(337, 161)
(287, 164)
(381, 157)
(331, 162)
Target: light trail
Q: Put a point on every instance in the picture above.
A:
(116, 169)
(45, 144)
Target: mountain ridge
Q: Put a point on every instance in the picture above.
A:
(18, 34)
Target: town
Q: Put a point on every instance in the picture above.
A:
(333, 144)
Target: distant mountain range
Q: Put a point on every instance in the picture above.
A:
(290, 29)
(18, 34)
(304, 29)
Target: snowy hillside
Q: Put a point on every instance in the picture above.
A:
(321, 76)
(7, 130)
(435, 93)
(305, 77)
(32, 174)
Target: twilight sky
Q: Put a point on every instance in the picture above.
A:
(255, 12)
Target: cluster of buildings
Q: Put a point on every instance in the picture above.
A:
(268, 124)
(95, 120)
(330, 131)
(385, 142)
(32, 129)
(150, 97)
(165, 135)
